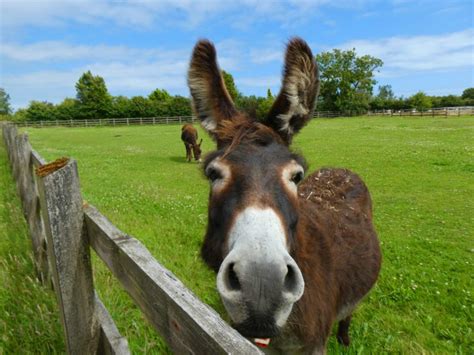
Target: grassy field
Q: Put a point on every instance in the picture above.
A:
(29, 320)
(421, 176)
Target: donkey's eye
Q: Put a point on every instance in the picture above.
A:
(297, 177)
(213, 174)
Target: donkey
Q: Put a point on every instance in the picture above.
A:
(292, 255)
(189, 136)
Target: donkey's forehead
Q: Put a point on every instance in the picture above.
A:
(256, 156)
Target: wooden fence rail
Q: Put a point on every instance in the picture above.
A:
(435, 112)
(62, 232)
(137, 121)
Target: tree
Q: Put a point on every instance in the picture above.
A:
(347, 80)
(248, 104)
(41, 111)
(160, 95)
(384, 99)
(180, 106)
(5, 108)
(451, 101)
(230, 85)
(93, 96)
(19, 115)
(468, 94)
(420, 101)
(161, 101)
(68, 109)
(120, 107)
(264, 105)
(386, 92)
(141, 107)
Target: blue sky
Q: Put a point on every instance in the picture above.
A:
(141, 45)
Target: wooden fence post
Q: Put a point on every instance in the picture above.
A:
(9, 134)
(23, 180)
(68, 252)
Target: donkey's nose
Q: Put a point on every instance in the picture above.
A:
(293, 285)
(260, 285)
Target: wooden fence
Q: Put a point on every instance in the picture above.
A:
(435, 112)
(62, 230)
(136, 121)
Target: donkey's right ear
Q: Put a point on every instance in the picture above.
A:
(211, 101)
(294, 105)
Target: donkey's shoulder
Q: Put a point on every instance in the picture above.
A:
(335, 188)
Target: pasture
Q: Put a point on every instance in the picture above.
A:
(418, 170)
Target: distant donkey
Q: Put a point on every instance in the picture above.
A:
(292, 255)
(189, 136)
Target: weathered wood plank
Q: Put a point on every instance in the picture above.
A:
(31, 206)
(188, 325)
(24, 180)
(69, 256)
(29, 195)
(10, 132)
(110, 341)
(36, 224)
(37, 159)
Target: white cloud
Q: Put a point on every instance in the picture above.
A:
(265, 55)
(127, 71)
(60, 51)
(47, 51)
(419, 53)
(145, 13)
(270, 81)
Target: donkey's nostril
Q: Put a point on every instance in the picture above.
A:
(232, 279)
(291, 281)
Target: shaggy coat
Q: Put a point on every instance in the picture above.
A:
(292, 255)
(189, 136)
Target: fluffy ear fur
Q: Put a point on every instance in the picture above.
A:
(295, 103)
(211, 101)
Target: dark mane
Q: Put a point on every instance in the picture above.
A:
(244, 130)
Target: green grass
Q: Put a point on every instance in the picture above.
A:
(419, 171)
(29, 320)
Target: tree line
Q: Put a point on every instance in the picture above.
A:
(347, 85)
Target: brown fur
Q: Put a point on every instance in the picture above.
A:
(189, 136)
(328, 223)
(337, 250)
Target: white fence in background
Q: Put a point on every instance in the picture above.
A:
(136, 121)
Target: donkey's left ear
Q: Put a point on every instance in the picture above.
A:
(211, 101)
(295, 103)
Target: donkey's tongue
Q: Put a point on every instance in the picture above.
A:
(262, 342)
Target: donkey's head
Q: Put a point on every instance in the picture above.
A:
(197, 150)
(253, 205)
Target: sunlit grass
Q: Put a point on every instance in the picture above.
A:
(29, 318)
(420, 174)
